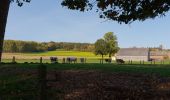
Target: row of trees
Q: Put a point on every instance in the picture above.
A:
(107, 45)
(13, 46)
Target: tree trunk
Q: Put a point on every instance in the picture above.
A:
(4, 8)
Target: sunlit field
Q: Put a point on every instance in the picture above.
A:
(57, 53)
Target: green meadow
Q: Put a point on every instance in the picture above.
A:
(65, 53)
(27, 57)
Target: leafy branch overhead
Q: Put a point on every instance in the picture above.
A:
(123, 11)
(20, 2)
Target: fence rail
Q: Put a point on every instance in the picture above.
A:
(79, 60)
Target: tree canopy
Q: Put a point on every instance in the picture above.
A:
(100, 48)
(18, 46)
(123, 11)
(111, 43)
(107, 45)
(20, 2)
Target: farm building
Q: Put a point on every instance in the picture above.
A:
(134, 54)
(158, 55)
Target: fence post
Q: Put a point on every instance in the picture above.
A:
(42, 72)
(40, 60)
(13, 59)
(84, 60)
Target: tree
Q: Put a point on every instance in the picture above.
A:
(123, 11)
(100, 48)
(51, 46)
(111, 43)
(4, 8)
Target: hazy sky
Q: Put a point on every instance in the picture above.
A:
(47, 20)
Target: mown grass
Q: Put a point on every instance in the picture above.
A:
(65, 53)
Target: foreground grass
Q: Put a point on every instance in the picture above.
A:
(162, 70)
(20, 81)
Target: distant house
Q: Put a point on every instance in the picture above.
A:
(158, 55)
(134, 54)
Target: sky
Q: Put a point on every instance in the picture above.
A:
(47, 20)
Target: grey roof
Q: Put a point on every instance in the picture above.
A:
(133, 52)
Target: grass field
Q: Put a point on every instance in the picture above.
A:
(163, 70)
(58, 53)
(19, 81)
(65, 53)
(34, 57)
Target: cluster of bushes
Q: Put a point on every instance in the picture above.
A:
(17, 46)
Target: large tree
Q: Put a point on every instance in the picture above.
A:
(100, 48)
(111, 43)
(123, 11)
(4, 7)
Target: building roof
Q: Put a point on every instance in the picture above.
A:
(133, 52)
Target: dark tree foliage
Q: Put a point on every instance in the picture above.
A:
(20, 2)
(123, 11)
(17, 46)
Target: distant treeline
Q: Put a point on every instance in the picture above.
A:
(17, 46)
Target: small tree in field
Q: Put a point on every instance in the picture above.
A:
(100, 48)
(111, 43)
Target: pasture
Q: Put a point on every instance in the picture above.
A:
(55, 53)
(34, 57)
(90, 57)
(77, 81)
